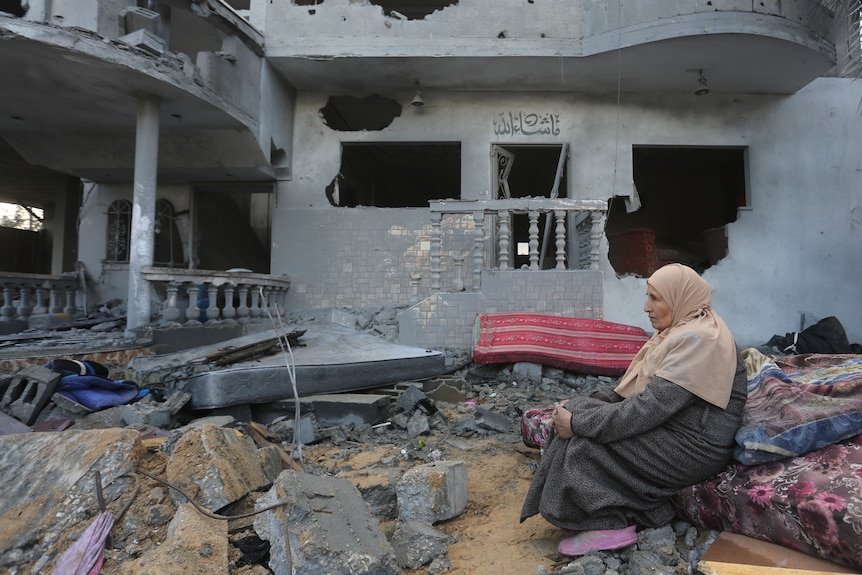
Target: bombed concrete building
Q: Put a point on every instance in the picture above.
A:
(203, 160)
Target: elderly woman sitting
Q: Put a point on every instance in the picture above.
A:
(619, 455)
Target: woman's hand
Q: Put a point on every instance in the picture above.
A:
(563, 421)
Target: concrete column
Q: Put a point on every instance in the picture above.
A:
(143, 213)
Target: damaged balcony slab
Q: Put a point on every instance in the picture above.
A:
(329, 359)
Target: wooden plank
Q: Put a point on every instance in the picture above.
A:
(735, 554)
(718, 568)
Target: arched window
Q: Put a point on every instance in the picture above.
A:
(169, 249)
(119, 231)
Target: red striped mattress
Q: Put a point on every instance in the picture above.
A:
(588, 346)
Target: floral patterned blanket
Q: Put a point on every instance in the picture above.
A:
(811, 503)
(797, 478)
(798, 404)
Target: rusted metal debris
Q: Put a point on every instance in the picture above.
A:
(253, 350)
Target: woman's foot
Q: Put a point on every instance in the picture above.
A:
(600, 540)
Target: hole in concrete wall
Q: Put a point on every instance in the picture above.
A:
(307, 2)
(688, 197)
(412, 10)
(349, 114)
(397, 175)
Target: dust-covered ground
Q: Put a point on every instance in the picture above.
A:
(487, 538)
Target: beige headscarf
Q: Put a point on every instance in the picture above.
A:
(697, 352)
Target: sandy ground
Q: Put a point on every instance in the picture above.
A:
(487, 538)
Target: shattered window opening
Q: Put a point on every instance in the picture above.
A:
(534, 170)
(21, 217)
(119, 231)
(687, 197)
(168, 245)
(396, 175)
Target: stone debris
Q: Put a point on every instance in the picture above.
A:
(47, 486)
(195, 545)
(222, 464)
(432, 492)
(28, 392)
(417, 544)
(221, 490)
(324, 527)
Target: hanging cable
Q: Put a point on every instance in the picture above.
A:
(284, 343)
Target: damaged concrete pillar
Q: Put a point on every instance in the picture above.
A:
(143, 212)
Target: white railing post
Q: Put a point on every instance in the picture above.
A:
(560, 244)
(242, 310)
(8, 309)
(24, 309)
(41, 307)
(503, 241)
(171, 311)
(228, 312)
(56, 292)
(212, 298)
(436, 248)
(193, 312)
(595, 239)
(478, 249)
(534, 240)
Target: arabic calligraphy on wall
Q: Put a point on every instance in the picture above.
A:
(526, 124)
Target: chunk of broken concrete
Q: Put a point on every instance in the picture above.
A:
(47, 485)
(222, 463)
(416, 544)
(155, 414)
(324, 527)
(195, 545)
(29, 392)
(432, 492)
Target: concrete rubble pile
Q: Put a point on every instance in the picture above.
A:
(215, 481)
(198, 492)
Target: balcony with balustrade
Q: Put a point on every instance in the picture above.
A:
(472, 267)
(190, 297)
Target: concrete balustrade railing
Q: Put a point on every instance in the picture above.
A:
(208, 296)
(492, 224)
(25, 295)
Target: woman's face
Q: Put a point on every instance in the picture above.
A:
(660, 314)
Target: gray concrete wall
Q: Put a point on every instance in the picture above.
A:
(447, 319)
(572, 28)
(794, 249)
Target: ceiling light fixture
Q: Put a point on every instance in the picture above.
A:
(417, 101)
(701, 79)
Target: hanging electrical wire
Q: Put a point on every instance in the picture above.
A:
(287, 351)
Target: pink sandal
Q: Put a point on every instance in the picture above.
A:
(600, 540)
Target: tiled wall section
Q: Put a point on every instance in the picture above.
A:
(447, 319)
(360, 257)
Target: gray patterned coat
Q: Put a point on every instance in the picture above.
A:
(629, 456)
